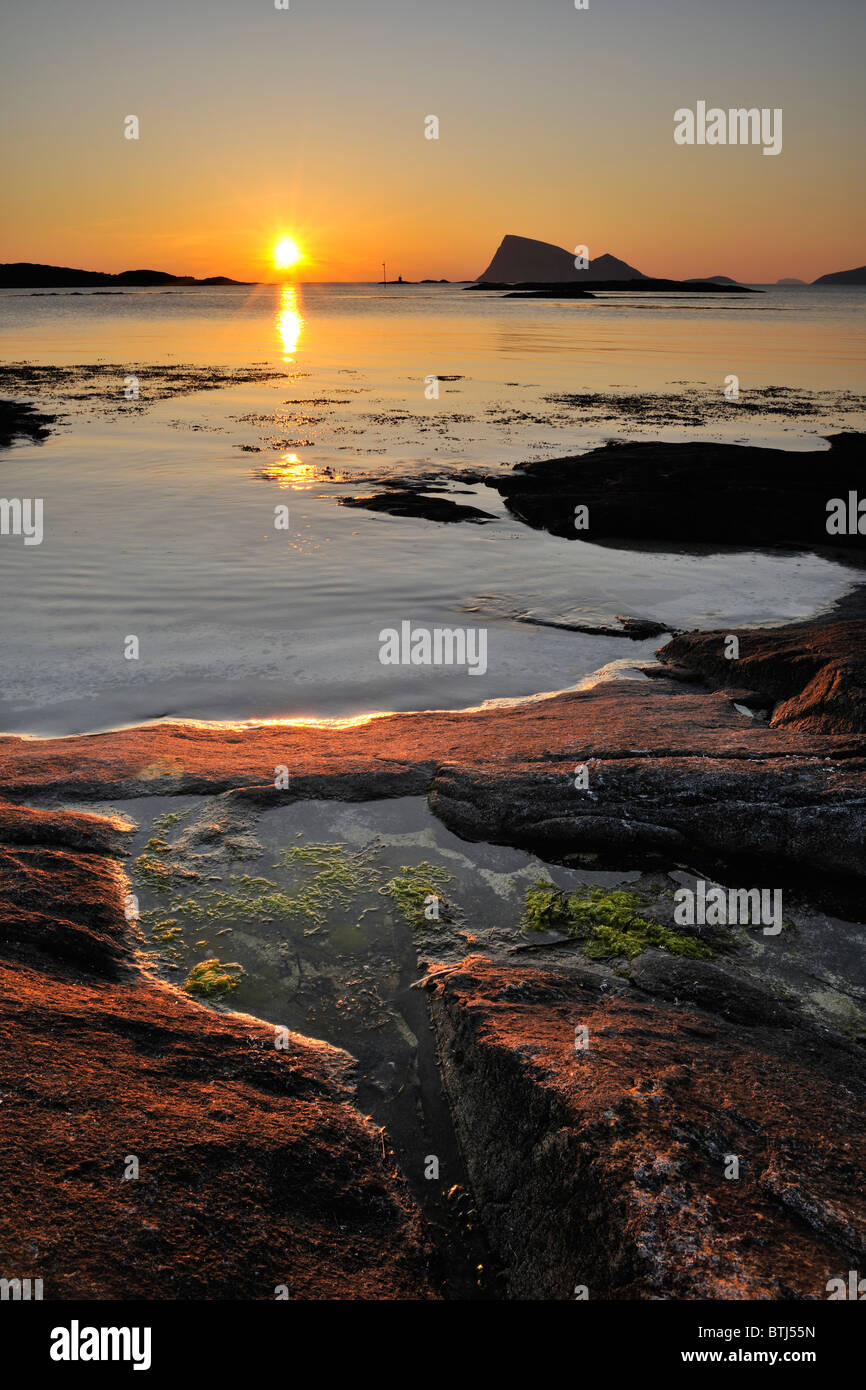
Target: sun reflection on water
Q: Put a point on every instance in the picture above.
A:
(290, 471)
(290, 324)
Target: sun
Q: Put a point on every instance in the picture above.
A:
(287, 253)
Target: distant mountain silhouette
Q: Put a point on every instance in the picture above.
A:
(26, 275)
(790, 280)
(520, 259)
(711, 280)
(843, 277)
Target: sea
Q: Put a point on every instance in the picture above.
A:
(191, 488)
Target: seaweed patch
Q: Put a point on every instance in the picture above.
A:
(211, 979)
(607, 923)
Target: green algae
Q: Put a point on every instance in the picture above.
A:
(168, 819)
(411, 888)
(190, 908)
(608, 923)
(167, 931)
(334, 878)
(212, 979)
(165, 937)
(339, 870)
(546, 907)
(152, 873)
(328, 880)
(341, 877)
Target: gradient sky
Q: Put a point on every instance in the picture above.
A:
(554, 123)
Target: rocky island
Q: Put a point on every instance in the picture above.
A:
(26, 275)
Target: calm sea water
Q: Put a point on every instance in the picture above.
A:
(159, 523)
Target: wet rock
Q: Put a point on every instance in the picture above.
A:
(725, 495)
(674, 773)
(406, 502)
(21, 421)
(605, 1167)
(712, 988)
(638, 629)
(812, 673)
(254, 1168)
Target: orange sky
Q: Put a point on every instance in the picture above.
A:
(257, 123)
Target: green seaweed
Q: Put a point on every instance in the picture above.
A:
(341, 877)
(211, 979)
(152, 873)
(328, 879)
(166, 938)
(167, 930)
(190, 908)
(169, 818)
(253, 903)
(606, 922)
(410, 889)
(546, 907)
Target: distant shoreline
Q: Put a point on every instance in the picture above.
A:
(29, 275)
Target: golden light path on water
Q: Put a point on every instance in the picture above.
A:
(289, 471)
(290, 324)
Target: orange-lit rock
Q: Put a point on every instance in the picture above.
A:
(605, 1167)
(674, 772)
(255, 1170)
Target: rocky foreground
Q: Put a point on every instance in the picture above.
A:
(257, 1178)
(606, 1169)
(808, 676)
(674, 771)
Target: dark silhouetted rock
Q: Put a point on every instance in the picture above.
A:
(27, 275)
(712, 280)
(521, 258)
(843, 277)
(646, 285)
(408, 502)
(21, 421)
(729, 495)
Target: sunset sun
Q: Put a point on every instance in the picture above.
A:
(287, 253)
